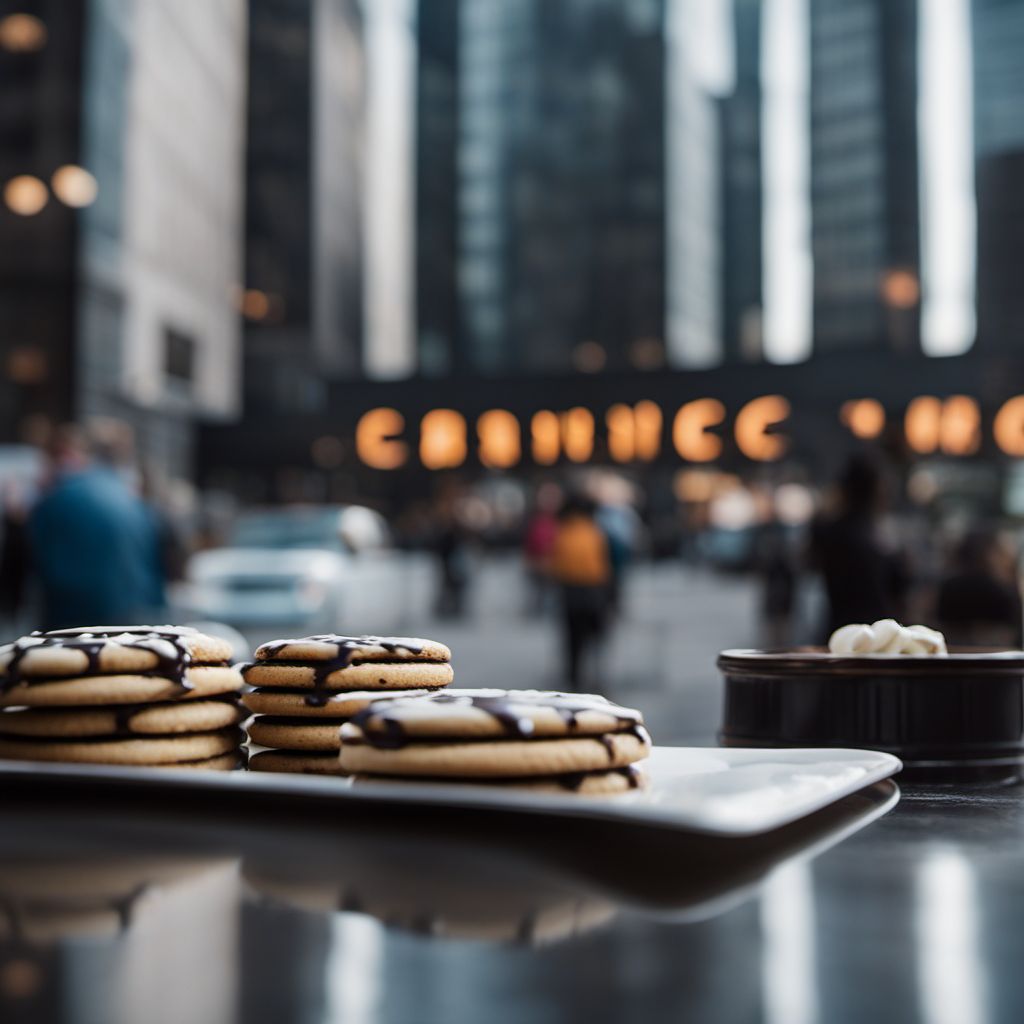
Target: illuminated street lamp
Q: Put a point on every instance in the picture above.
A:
(255, 304)
(901, 293)
(74, 186)
(901, 289)
(22, 33)
(589, 357)
(25, 195)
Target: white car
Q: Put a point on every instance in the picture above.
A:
(306, 568)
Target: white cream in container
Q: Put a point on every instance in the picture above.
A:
(886, 636)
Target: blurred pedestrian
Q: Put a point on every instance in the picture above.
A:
(95, 548)
(979, 602)
(15, 558)
(865, 577)
(621, 526)
(778, 571)
(452, 547)
(581, 565)
(171, 548)
(539, 542)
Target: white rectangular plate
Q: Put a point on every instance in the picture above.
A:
(728, 792)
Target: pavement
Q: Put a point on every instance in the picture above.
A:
(659, 656)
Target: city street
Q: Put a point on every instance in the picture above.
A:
(660, 656)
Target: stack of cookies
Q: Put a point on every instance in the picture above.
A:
(306, 689)
(552, 742)
(127, 695)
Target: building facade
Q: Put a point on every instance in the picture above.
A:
(303, 294)
(40, 131)
(742, 193)
(134, 130)
(998, 42)
(439, 342)
(693, 201)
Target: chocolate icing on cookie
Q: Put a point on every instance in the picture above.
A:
(514, 723)
(347, 647)
(165, 643)
(608, 742)
(383, 729)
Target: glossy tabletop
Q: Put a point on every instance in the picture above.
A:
(889, 905)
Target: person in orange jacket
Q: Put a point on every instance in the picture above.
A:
(580, 563)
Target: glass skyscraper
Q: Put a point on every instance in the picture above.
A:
(998, 32)
(864, 174)
(742, 207)
(556, 113)
(304, 265)
(437, 125)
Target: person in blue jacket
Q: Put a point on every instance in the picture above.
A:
(95, 545)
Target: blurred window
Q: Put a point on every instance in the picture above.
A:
(179, 355)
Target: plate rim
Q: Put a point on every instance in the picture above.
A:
(624, 809)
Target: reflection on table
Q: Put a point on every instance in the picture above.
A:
(126, 912)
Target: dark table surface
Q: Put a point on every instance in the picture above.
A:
(888, 906)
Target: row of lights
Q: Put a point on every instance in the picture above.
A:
(27, 195)
(900, 288)
(950, 426)
(644, 354)
(634, 434)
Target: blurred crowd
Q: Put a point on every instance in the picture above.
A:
(577, 541)
(86, 539)
(89, 538)
(851, 552)
(875, 563)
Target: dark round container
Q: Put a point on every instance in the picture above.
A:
(964, 709)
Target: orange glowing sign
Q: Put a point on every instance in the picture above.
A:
(377, 441)
(443, 439)
(546, 437)
(960, 430)
(571, 432)
(921, 424)
(690, 430)
(621, 431)
(1008, 427)
(578, 433)
(500, 444)
(753, 423)
(952, 426)
(634, 432)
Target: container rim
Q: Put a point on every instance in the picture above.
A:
(972, 660)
